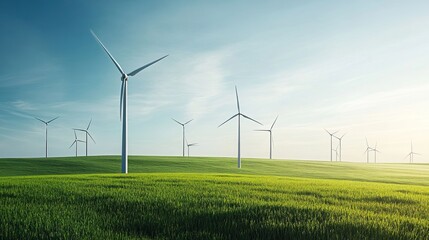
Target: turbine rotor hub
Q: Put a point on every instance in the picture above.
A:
(124, 77)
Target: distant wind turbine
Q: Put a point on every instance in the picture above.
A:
(375, 152)
(123, 101)
(86, 136)
(368, 149)
(271, 136)
(239, 115)
(336, 153)
(46, 133)
(183, 134)
(340, 139)
(331, 134)
(412, 153)
(76, 140)
(190, 145)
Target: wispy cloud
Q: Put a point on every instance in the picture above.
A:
(205, 82)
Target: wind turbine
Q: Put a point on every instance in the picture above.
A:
(375, 152)
(412, 153)
(271, 136)
(331, 134)
(123, 101)
(368, 149)
(46, 133)
(340, 144)
(183, 133)
(75, 141)
(190, 145)
(336, 153)
(239, 115)
(86, 136)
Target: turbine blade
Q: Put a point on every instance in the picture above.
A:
(89, 124)
(41, 120)
(193, 144)
(145, 66)
(72, 144)
(75, 136)
(178, 121)
(251, 119)
(121, 98)
(78, 129)
(90, 137)
(262, 130)
(274, 122)
(229, 119)
(108, 53)
(52, 120)
(188, 122)
(330, 132)
(366, 139)
(80, 141)
(238, 103)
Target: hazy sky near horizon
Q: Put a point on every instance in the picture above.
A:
(359, 67)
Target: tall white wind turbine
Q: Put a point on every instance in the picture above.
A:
(76, 140)
(189, 145)
(123, 101)
(412, 153)
(271, 136)
(375, 152)
(368, 149)
(86, 136)
(46, 133)
(331, 134)
(239, 115)
(183, 133)
(340, 139)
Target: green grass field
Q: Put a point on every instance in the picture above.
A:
(209, 198)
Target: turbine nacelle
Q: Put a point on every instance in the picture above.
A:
(124, 77)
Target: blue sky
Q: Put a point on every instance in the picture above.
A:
(358, 67)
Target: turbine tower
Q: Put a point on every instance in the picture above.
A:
(46, 133)
(340, 139)
(239, 115)
(183, 134)
(412, 153)
(75, 141)
(123, 101)
(331, 134)
(86, 136)
(271, 136)
(190, 145)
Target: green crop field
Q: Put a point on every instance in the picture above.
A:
(209, 198)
